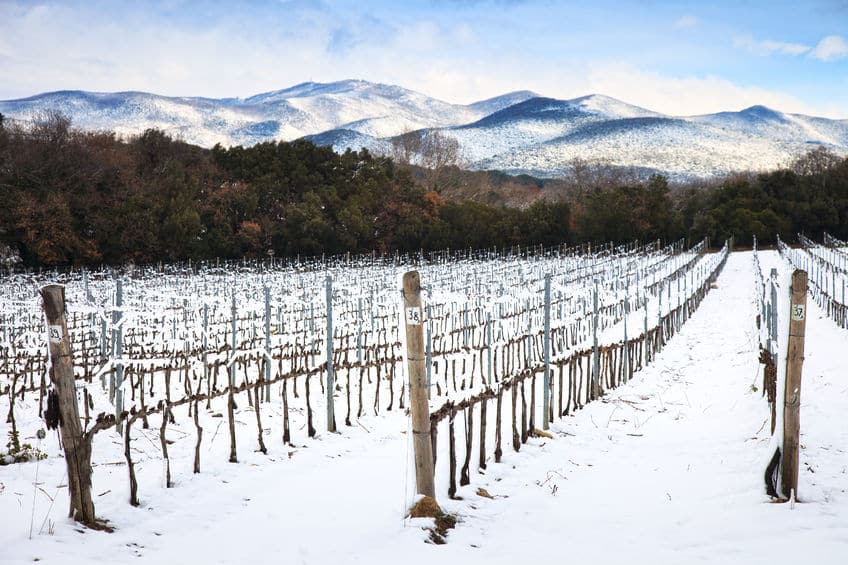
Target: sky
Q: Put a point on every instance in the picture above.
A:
(680, 58)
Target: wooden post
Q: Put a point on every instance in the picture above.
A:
(119, 353)
(626, 348)
(596, 366)
(429, 352)
(792, 398)
(77, 444)
(529, 341)
(233, 341)
(205, 345)
(659, 317)
(268, 342)
(489, 346)
(419, 405)
(331, 385)
(546, 388)
(359, 331)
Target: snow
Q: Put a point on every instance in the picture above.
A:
(666, 469)
(518, 132)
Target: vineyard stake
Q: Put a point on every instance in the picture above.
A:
(646, 350)
(626, 348)
(419, 405)
(528, 344)
(596, 362)
(232, 364)
(772, 312)
(268, 342)
(359, 331)
(429, 352)
(659, 317)
(331, 416)
(206, 342)
(792, 399)
(489, 346)
(119, 352)
(546, 409)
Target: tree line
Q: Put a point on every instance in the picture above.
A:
(75, 197)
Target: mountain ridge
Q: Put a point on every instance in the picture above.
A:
(516, 132)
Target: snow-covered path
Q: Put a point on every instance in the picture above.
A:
(667, 469)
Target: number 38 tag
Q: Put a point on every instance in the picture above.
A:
(413, 316)
(55, 334)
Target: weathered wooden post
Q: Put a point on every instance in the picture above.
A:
(773, 313)
(268, 342)
(679, 310)
(659, 317)
(206, 342)
(792, 399)
(626, 348)
(331, 385)
(359, 331)
(104, 348)
(490, 369)
(233, 340)
(596, 360)
(77, 445)
(546, 409)
(529, 347)
(417, 384)
(119, 353)
(312, 329)
(429, 351)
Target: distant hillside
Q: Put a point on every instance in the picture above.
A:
(519, 132)
(377, 110)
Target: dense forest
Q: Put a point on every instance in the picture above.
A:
(74, 197)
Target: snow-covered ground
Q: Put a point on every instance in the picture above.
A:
(666, 469)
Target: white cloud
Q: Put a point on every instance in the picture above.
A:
(676, 96)
(686, 22)
(769, 47)
(229, 59)
(681, 96)
(830, 48)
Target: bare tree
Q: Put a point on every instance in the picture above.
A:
(51, 126)
(438, 153)
(406, 147)
(816, 161)
(9, 256)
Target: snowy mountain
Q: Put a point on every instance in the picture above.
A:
(543, 137)
(518, 132)
(310, 108)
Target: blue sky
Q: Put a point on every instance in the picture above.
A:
(674, 57)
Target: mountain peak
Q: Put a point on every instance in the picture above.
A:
(613, 107)
(761, 111)
(496, 103)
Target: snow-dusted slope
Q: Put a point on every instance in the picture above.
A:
(376, 110)
(534, 122)
(678, 147)
(543, 136)
(516, 132)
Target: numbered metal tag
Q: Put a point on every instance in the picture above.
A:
(413, 316)
(798, 312)
(55, 334)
